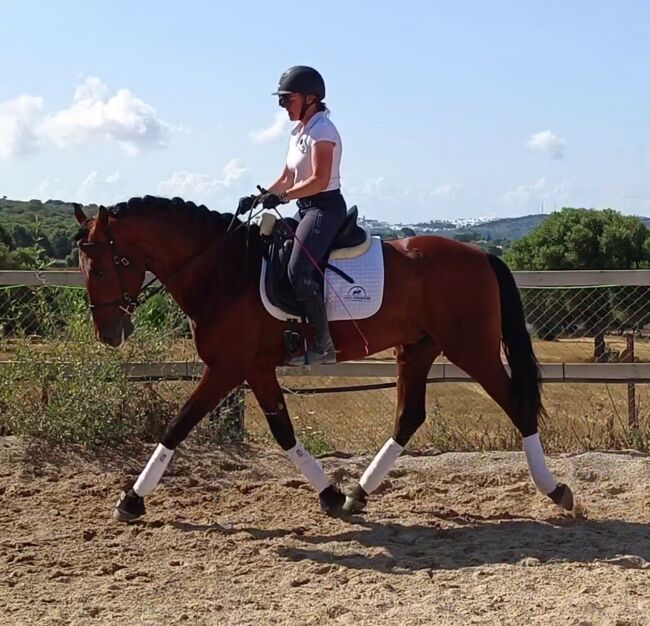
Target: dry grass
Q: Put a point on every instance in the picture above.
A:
(460, 416)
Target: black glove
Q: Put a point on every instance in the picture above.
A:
(246, 204)
(271, 200)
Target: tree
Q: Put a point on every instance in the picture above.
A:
(20, 259)
(43, 242)
(22, 237)
(406, 231)
(72, 260)
(6, 260)
(581, 239)
(5, 237)
(61, 241)
(468, 237)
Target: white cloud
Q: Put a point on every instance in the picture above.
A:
(202, 187)
(524, 193)
(52, 189)
(17, 118)
(378, 189)
(531, 195)
(94, 116)
(278, 129)
(372, 187)
(98, 189)
(447, 192)
(97, 116)
(547, 143)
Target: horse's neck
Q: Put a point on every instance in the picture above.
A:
(181, 255)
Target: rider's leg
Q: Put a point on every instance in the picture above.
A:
(315, 233)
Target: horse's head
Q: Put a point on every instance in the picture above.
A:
(114, 275)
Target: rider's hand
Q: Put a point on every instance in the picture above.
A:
(246, 204)
(272, 200)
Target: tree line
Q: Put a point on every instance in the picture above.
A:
(36, 234)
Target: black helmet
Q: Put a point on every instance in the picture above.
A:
(301, 79)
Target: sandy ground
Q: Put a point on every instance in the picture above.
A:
(235, 536)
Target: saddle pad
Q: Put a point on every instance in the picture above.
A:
(361, 299)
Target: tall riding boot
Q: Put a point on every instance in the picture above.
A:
(323, 350)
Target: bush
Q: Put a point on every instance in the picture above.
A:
(65, 386)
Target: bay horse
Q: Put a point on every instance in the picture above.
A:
(440, 296)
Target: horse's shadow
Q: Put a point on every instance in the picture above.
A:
(480, 541)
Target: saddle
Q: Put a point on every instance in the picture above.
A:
(351, 241)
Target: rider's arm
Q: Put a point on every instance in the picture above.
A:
(322, 156)
(284, 182)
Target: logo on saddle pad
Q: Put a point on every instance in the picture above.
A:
(357, 293)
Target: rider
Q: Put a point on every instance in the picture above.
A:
(310, 176)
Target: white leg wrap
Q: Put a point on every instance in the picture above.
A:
(542, 476)
(380, 466)
(311, 469)
(154, 470)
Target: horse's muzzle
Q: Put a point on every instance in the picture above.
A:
(118, 333)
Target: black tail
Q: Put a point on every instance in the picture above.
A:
(524, 368)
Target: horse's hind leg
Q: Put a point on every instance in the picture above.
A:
(481, 360)
(269, 395)
(413, 365)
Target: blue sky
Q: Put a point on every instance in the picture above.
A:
(454, 109)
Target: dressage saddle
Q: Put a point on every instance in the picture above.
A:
(351, 241)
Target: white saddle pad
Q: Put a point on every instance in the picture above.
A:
(343, 299)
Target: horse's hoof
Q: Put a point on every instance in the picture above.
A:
(353, 506)
(129, 507)
(562, 496)
(331, 500)
(356, 503)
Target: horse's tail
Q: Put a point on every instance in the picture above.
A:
(524, 368)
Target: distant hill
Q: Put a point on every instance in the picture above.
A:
(510, 228)
(59, 215)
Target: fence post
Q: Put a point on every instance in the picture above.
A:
(632, 416)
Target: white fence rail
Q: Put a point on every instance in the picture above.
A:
(577, 278)
(440, 372)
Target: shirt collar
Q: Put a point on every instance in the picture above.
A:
(312, 120)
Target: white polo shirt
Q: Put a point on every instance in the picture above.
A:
(319, 128)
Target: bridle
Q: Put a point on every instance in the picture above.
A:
(128, 303)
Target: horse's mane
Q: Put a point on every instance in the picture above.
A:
(176, 206)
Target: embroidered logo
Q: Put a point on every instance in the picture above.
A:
(357, 293)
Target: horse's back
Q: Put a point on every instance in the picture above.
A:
(436, 248)
(436, 270)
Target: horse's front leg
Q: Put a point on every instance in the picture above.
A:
(269, 395)
(213, 387)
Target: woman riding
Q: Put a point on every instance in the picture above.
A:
(310, 176)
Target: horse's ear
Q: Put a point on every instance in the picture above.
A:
(79, 214)
(102, 218)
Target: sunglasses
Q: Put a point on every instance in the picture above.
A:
(286, 98)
